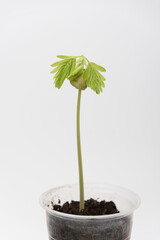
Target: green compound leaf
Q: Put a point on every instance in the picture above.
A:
(63, 70)
(94, 78)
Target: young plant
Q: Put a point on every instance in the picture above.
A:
(82, 74)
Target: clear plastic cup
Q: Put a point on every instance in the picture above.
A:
(62, 226)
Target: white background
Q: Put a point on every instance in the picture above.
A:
(120, 128)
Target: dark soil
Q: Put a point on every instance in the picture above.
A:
(92, 208)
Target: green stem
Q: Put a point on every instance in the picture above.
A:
(81, 184)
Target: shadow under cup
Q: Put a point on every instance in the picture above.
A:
(62, 226)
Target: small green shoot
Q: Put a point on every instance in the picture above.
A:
(72, 67)
(82, 74)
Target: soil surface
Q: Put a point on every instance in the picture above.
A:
(92, 208)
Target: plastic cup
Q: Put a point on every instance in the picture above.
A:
(62, 226)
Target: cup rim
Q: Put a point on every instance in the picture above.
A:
(83, 217)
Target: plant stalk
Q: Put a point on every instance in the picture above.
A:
(80, 166)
